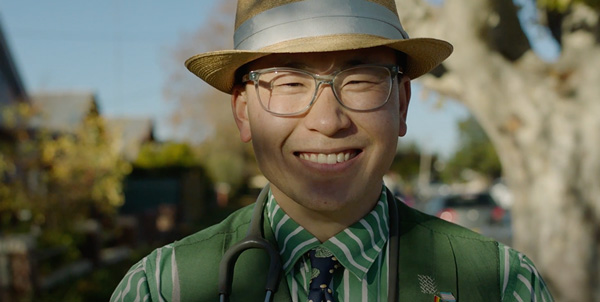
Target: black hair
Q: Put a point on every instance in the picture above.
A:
(401, 60)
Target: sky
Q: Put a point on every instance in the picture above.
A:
(117, 50)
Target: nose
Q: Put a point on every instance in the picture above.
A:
(326, 115)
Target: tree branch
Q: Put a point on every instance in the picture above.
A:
(505, 32)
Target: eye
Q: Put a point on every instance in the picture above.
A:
(288, 84)
(356, 82)
(362, 78)
(360, 83)
(291, 82)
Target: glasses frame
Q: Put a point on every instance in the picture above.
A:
(329, 79)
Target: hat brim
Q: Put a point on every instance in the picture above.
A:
(218, 68)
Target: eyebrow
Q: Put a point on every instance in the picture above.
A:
(297, 65)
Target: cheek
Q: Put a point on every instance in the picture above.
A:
(269, 136)
(383, 129)
(268, 132)
(387, 139)
(261, 131)
(387, 123)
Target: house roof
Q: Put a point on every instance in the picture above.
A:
(62, 111)
(12, 89)
(9, 75)
(129, 133)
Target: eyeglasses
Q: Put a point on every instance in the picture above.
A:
(284, 91)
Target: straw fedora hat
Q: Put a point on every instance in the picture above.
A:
(264, 27)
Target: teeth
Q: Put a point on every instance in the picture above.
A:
(329, 159)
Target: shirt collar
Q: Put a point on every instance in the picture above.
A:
(356, 247)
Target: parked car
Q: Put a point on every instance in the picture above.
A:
(474, 211)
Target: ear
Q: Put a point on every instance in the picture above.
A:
(404, 93)
(239, 107)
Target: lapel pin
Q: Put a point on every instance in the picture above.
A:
(444, 297)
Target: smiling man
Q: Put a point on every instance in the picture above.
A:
(325, 154)
(321, 89)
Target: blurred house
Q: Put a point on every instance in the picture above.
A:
(12, 126)
(129, 134)
(162, 199)
(163, 203)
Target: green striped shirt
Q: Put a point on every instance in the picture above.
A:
(361, 249)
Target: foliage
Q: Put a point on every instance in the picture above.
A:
(84, 165)
(157, 155)
(563, 5)
(96, 286)
(475, 153)
(15, 201)
(407, 161)
(226, 158)
(54, 181)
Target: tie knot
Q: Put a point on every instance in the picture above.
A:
(323, 265)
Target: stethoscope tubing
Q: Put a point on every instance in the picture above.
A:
(254, 239)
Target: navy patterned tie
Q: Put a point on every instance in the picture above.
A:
(323, 265)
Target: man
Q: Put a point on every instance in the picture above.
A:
(321, 88)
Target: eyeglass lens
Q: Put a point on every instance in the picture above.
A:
(290, 91)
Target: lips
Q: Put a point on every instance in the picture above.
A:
(328, 158)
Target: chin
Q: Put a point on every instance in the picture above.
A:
(324, 202)
(325, 205)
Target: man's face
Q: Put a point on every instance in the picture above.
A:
(286, 147)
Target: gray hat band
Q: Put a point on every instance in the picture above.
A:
(312, 18)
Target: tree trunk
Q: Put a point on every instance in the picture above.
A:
(544, 120)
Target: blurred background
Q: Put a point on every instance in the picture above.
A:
(110, 148)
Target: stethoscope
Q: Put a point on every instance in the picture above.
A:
(255, 240)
